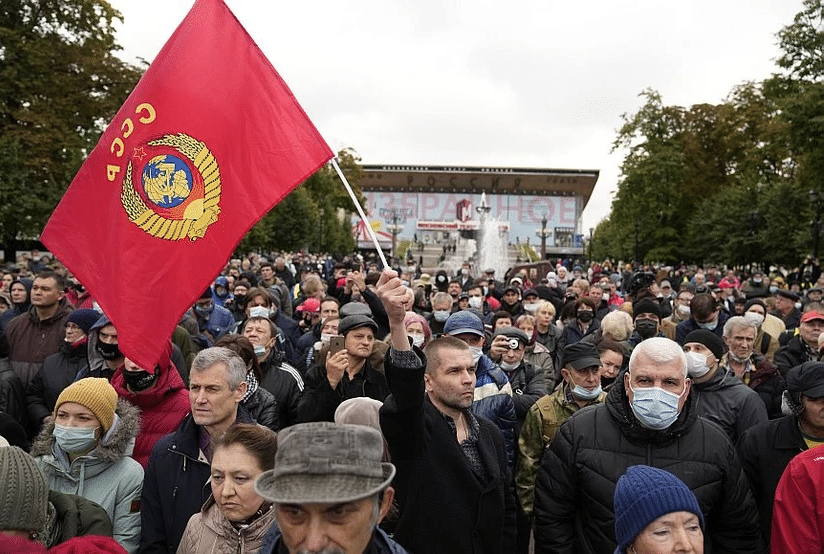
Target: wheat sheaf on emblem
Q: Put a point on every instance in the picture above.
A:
(198, 214)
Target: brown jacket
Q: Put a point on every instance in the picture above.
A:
(32, 340)
(209, 532)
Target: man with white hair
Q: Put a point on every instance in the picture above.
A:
(649, 417)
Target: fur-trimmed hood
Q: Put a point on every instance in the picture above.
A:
(116, 444)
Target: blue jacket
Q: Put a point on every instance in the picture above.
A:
(493, 400)
(381, 543)
(175, 487)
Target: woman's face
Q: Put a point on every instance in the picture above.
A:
(330, 327)
(527, 328)
(234, 470)
(544, 316)
(675, 533)
(71, 414)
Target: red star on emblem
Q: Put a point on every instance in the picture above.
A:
(139, 153)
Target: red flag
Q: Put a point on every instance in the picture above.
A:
(207, 143)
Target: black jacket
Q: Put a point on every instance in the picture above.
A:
(688, 326)
(444, 507)
(263, 408)
(58, 372)
(12, 395)
(794, 353)
(574, 512)
(319, 400)
(175, 486)
(285, 384)
(728, 403)
(765, 450)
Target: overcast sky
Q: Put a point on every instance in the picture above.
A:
(521, 84)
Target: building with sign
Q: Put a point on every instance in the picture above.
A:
(524, 204)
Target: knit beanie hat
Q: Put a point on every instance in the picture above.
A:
(646, 306)
(84, 319)
(24, 495)
(95, 394)
(642, 495)
(708, 339)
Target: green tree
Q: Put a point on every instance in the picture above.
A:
(60, 82)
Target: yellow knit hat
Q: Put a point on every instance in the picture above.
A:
(95, 394)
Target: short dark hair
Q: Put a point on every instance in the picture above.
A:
(49, 274)
(501, 314)
(243, 348)
(254, 292)
(267, 264)
(433, 350)
(702, 305)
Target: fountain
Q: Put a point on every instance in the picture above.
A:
(492, 248)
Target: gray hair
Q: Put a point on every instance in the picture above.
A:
(234, 364)
(739, 322)
(660, 350)
(618, 324)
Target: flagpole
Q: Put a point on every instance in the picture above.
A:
(360, 211)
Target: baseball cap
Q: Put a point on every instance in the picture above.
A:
(310, 305)
(463, 321)
(807, 378)
(324, 462)
(811, 315)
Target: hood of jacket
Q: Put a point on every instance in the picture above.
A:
(63, 309)
(168, 382)
(722, 379)
(117, 443)
(618, 406)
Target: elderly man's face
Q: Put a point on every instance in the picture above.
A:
(811, 330)
(645, 373)
(345, 528)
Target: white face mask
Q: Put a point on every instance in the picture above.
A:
(683, 310)
(417, 340)
(696, 364)
(605, 297)
(531, 308)
(755, 317)
(475, 302)
(325, 337)
(506, 366)
(476, 352)
(440, 315)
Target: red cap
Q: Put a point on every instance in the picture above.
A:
(311, 305)
(809, 316)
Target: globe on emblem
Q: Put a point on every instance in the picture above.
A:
(167, 181)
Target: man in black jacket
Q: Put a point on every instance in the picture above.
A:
(452, 484)
(176, 480)
(649, 418)
(766, 449)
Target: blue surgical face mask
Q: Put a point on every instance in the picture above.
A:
(583, 393)
(260, 350)
(709, 326)
(440, 315)
(655, 408)
(204, 311)
(73, 440)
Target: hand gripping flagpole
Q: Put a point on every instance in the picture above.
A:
(360, 211)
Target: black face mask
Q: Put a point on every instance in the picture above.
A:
(646, 328)
(108, 351)
(585, 317)
(240, 299)
(139, 380)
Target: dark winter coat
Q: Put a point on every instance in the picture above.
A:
(58, 372)
(32, 340)
(765, 450)
(319, 400)
(285, 384)
(686, 327)
(444, 506)
(175, 487)
(574, 512)
(263, 408)
(794, 353)
(729, 403)
(162, 407)
(72, 516)
(12, 394)
(380, 544)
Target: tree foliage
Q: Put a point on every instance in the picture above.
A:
(60, 81)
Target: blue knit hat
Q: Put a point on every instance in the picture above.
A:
(642, 495)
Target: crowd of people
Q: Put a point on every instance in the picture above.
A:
(307, 404)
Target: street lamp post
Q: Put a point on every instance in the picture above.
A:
(395, 220)
(542, 233)
(816, 199)
(591, 230)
